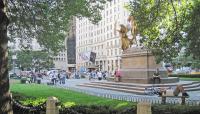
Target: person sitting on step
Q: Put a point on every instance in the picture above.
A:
(173, 92)
(156, 75)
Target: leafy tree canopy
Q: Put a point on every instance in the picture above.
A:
(168, 25)
(34, 59)
(49, 20)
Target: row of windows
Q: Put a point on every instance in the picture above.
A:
(61, 54)
(110, 44)
(109, 4)
(101, 38)
(93, 31)
(107, 16)
(105, 13)
(59, 59)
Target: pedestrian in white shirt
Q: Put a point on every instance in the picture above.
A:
(99, 75)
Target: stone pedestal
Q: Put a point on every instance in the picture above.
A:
(52, 108)
(138, 66)
(144, 108)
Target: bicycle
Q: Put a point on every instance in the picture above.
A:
(152, 91)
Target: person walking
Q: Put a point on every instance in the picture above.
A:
(117, 75)
(99, 75)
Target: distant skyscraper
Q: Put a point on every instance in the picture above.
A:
(66, 59)
(71, 47)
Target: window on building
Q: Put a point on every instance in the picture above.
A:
(115, 42)
(119, 51)
(115, 51)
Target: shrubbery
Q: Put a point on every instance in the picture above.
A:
(185, 75)
(72, 108)
(93, 109)
(23, 80)
(175, 109)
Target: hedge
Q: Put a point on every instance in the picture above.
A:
(94, 109)
(98, 109)
(185, 75)
(175, 109)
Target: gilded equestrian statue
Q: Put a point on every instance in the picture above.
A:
(126, 42)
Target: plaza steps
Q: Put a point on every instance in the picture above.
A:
(137, 88)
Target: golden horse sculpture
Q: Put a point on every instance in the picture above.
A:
(126, 42)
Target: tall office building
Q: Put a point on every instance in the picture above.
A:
(102, 39)
(71, 47)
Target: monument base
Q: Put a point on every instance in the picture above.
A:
(146, 81)
(138, 66)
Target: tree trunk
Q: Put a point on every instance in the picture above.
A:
(5, 98)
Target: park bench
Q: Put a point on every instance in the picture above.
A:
(165, 96)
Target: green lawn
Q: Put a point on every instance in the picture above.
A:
(44, 91)
(190, 79)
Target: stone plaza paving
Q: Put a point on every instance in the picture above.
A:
(72, 84)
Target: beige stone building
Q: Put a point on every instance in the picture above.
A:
(103, 39)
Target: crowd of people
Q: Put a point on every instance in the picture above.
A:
(60, 76)
(97, 74)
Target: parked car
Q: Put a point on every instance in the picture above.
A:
(13, 75)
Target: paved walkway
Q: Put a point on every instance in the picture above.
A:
(72, 84)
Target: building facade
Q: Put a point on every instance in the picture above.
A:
(102, 38)
(71, 47)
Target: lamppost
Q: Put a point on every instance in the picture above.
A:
(101, 64)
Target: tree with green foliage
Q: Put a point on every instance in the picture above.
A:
(182, 60)
(34, 59)
(45, 20)
(167, 26)
(48, 21)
